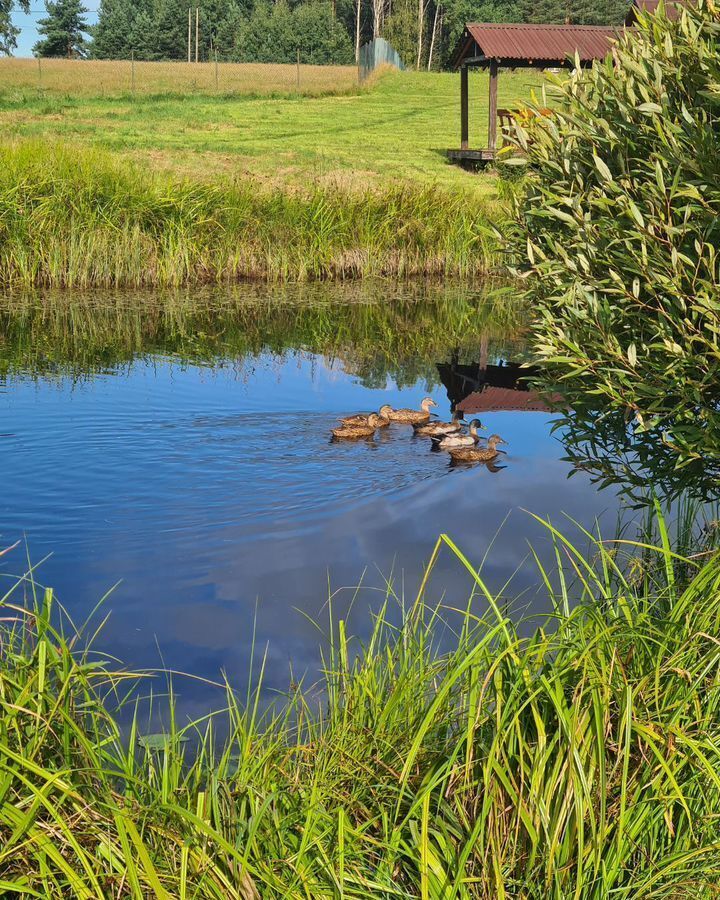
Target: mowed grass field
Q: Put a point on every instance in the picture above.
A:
(397, 127)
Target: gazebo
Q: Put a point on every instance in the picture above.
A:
(494, 46)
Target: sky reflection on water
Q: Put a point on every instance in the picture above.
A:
(212, 495)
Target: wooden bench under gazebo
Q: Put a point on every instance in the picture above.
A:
(494, 46)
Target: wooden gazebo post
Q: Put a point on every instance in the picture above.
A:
(464, 106)
(490, 45)
(492, 106)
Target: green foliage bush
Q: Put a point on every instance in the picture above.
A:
(618, 224)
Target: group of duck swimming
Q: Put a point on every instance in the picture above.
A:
(446, 435)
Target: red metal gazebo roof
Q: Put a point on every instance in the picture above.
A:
(529, 44)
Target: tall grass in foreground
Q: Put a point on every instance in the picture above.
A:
(72, 217)
(581, 761)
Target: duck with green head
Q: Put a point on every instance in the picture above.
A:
(462, 440)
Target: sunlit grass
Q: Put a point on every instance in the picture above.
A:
(80, 218)
(452, 755)
(398, 127)
(107, 78)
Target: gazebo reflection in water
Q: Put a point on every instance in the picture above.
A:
(475, 388)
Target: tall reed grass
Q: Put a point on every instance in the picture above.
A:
(72, 217)
(453, 755)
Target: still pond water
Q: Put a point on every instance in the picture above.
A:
(176, 450)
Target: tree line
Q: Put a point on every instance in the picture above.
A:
(424, 32)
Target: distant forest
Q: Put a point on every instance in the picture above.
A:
(424, 32)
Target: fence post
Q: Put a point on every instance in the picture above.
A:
(217, 80)
(39, 71)
(132, 71)
(189, 32)
(298, 70)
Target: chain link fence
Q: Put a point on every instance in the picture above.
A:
(113, 77)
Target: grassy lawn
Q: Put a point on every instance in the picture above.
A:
(129, 190)
(396, 128)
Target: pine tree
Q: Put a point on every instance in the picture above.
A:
(225, 36)
(320, 38)
(267, 35)
(112, 34)
(170, 28)
(142, 35)
(63, 29)
(8, 32)
(574, 12)
(219, 25)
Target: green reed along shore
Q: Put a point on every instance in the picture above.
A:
(450, 756)
(76, 217)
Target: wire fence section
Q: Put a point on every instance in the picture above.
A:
(108, 77)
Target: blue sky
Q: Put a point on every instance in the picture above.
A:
(27, 23)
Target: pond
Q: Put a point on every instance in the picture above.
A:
(174, 451)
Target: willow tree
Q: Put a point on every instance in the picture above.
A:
(619, 229)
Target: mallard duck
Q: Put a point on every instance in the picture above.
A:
(362, 418)
(353, 432)
(413, 416)
(478, 454)
(462, 440)
(437, 429)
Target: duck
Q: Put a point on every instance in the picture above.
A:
(362, 418)
(414, 416)
(462, 440)
(478, 454)
(437, 429)
(353, 432)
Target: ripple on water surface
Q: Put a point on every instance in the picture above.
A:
(211, 491)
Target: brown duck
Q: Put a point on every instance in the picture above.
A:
(413, 416)
(362, 418)
(478, 454)
(353, 432)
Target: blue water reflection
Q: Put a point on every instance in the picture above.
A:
(208, 496)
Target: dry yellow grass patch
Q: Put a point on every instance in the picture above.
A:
(112, 77)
